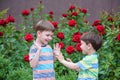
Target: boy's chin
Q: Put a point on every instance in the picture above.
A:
(84, 53)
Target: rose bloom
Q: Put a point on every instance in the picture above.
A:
(1, 34)
(78, 48)
(84, 10)
(100, 28)
(118, 37)
(74, 13)
(62, 45)
(26, 57)
(51, 13)
(55, 24)
(10, 19)
(64, 15)
(2, 22)
(71, 23)
(96, 22)
(70, 49)
(76, 38)
(60, 35)
(110, 19)
(72, 7)
(76, 33)
(29, 37)
(25, 12)
(32, 9)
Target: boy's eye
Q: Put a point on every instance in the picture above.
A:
(50, 35)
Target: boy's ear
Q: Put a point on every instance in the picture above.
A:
(89, 45)
(38, 33)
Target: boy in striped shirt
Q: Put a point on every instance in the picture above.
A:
(41, 54)
(88, 66)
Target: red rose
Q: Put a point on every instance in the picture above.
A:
(70, 49)
(1, 34)
(25, 12)
(64, 15)
(10, 19)
(84, 10)
(110, 19)
(32, 9)
(74, 13)
(61, 45)
(76, 38)
(26, 57)
(103, 33)
(51, 13)
(96, 22)
(72, 7)
(77, 33)
(29, 37)
(60, 35)
(2, 22)
(71, 23)
(55, 24)
(100, 28)
(78, 48)
(118, 37)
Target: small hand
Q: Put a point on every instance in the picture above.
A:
(60, 57)
(38, 46)
(68, 59)
(57, 49)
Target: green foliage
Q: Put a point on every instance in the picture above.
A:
(109, 67)
(3, 12)
(20, 74)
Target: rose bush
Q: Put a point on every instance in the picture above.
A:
(15, 44)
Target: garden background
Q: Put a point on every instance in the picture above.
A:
(71, 18)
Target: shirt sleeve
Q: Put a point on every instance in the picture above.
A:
(32, 52)
(87, 63)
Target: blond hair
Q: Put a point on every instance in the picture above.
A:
(44, 25)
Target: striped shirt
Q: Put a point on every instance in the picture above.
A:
(44, 70)
(88, 68)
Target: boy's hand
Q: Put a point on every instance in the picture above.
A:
(60, 57)
(57, 49)
(38, 46)
(68, 59)
(57, 52)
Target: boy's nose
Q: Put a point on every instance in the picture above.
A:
(50, 38)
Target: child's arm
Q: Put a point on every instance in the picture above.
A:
(70, 64)
(34, 61)
(60, 57)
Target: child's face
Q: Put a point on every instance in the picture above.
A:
(45, 37)
(84, 47)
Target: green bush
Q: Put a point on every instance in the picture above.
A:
(20, 74)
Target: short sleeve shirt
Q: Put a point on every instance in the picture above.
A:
(88, 68)
(44, 70)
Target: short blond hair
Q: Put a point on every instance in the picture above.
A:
(44, 25)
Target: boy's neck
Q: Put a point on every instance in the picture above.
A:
(91, 52)
(39, 43)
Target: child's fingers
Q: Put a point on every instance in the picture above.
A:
(68, 59)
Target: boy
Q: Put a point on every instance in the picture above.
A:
(88, 66)
(41, 54)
